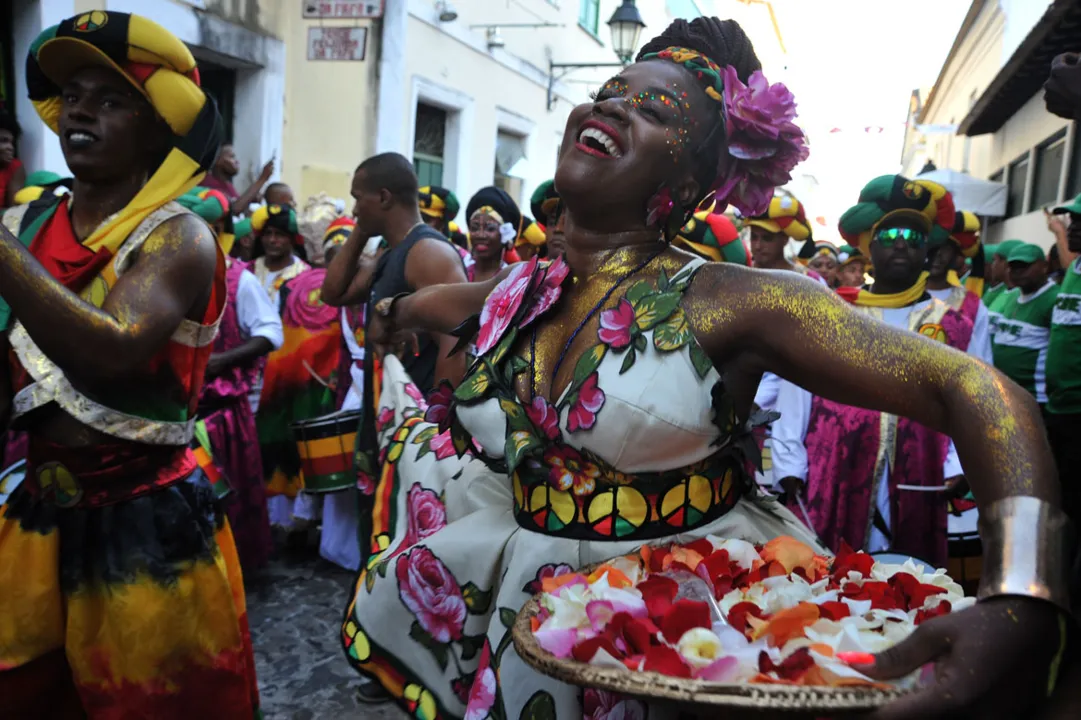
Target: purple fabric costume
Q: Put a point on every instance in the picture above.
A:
(231, 426)
(846, 449)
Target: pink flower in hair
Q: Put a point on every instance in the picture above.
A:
(764, 144)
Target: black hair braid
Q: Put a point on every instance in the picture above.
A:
(722, 41)
(725, 43)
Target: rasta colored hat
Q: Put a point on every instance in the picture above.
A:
(894, 196)
(847, 254)
(279, 217)
(786, 215)
(812, 249)
(966, 233)
(1074, 206)
(711, 235)
(338, 231)
(532, 234)
(162, 69)
(207, 203)
(438, 202)
(42, 182)
(545, 201)
(1027, 253)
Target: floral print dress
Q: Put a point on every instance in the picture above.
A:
(480, 495)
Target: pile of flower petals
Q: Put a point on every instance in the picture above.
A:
(790, 616)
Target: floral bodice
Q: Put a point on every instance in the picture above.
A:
(640, 398)
(644, 408)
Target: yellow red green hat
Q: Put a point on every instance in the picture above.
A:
(892, 196)
(209, 204)
(847, 254)
(785, 214)
(279, 217)
(544, 202)
(162, 69)
(966, 233)
(438, 202)
(338, 231)
(713, 236)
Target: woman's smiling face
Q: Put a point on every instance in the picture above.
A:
(642, 131)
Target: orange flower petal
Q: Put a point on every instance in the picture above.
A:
(790, 553)
(688, 557)
(551, 584)
(787, 624)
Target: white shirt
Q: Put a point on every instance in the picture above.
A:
(979, 345)
(255, 313)
(790, 454)
(355, 397)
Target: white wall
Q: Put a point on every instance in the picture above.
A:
(39, 148)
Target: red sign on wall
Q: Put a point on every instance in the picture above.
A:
(337, 43)
(343, 8)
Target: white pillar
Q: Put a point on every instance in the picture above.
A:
(39, 148)
(392, 84)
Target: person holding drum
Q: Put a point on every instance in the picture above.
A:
(120, 590)
(608, 408)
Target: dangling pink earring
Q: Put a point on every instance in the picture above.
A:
(659, 208)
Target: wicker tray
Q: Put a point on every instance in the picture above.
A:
(749, 697)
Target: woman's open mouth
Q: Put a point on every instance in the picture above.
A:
(599, 140)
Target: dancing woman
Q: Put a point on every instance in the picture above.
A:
(608, 408)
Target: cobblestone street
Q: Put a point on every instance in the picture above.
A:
(295, 608)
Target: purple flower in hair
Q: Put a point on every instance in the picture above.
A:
(764, 144)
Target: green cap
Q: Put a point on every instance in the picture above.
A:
(1074, 206)
(1004, 248)
(989, 253)
(1026, 253)
(42, 178)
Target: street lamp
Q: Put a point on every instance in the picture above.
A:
(626, 26)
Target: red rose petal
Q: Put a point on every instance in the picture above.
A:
(658, 593)
(682, 616)
(665, 660)
(702, 546)
(943, 608)
(791, 668)
(585, 650)
(638, 635)
(737, 616)
(834, 610)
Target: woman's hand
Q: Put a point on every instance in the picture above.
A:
(993, 660)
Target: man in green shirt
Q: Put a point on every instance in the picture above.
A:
(998, 279)
(1023, 326)
(1063, 414)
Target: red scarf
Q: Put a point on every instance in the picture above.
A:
(60, 252)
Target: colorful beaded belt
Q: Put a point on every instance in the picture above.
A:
(625, 507)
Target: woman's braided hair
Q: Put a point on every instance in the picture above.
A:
(723, 42)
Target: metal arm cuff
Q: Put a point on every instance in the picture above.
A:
(1026, 545)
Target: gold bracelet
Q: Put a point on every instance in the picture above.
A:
(1025, 550)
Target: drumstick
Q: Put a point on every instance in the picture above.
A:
(923, 488)
(315, 375)
(807, 519)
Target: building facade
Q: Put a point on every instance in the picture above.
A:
(985, 115)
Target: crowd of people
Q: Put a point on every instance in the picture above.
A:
(195, 377)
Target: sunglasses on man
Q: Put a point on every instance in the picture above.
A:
(912, 237)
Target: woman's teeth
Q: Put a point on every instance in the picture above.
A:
(601, 141)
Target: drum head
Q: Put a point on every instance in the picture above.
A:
(892, 558)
